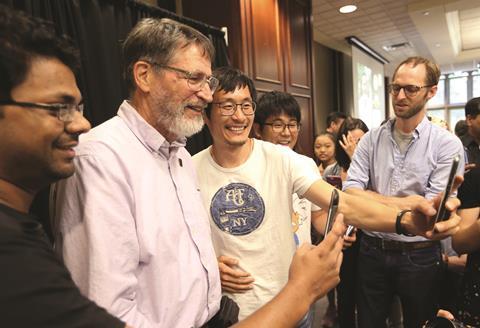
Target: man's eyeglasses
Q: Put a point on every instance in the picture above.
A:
(410, 90)
(64, 112)
(228, 108)
(279, 127)
(195, 81)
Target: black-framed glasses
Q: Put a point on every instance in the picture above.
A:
(410, 90)
(228, 108)
(279, 127)
(65, 112)
(195, 81)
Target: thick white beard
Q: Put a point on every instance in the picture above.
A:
(186, 127)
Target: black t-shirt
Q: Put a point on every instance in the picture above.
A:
(36, 289)
(471, 148)
(469, 302)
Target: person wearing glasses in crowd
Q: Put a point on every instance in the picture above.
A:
(403, 159)
(132, 228)
(277, 120)
(247, 187)
(40, 122)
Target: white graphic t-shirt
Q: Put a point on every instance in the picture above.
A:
(250, 209)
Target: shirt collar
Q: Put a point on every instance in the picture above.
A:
(147, 134)
(419, 129)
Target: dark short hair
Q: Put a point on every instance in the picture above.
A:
(334, 117)
(433, 71)
(349, 124)
(158, 40)
(230, 79)
(23, 39)
(275, 103)
(472, 107)
(461, 128)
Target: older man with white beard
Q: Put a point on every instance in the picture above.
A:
(134, 233)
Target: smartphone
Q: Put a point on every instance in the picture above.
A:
(334, 180)
(332, 211)
(442, 212)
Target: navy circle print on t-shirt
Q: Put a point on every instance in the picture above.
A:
(237, 209)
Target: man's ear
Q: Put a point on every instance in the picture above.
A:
(432, 92)
(257, 131)
(468, 119)
(142, 75)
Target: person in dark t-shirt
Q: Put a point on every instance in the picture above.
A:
(40, 121)
(467, 241)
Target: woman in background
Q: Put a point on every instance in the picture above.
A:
(349, 134)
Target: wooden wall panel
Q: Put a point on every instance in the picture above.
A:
(305, 138)
(270, 40)
(264, 44)
(298, 65)
(298, 46)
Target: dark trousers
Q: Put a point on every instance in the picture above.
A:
(346, 289)
(413, 275)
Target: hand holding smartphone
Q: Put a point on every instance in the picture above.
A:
(442, 212)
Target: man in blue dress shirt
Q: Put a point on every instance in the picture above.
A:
(403, 159)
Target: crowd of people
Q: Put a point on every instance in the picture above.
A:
(148, 236)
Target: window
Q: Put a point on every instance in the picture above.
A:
(458, 88)
(453, 91)
(476, 84)
(456, 115)
(439, 98)
(439, 113)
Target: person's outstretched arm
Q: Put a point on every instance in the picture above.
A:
(313, 272)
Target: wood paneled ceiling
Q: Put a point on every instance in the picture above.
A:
(447, 31)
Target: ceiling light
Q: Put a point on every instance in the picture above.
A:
(397, 46)
(348, 9)
(437, 45)
(426, 13)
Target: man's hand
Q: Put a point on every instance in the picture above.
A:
(469, 166)
(233, 280)
(422, 219)
(349, 240)
(315, 269)
(348, 143)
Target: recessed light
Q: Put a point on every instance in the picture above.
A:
(348, 9)
(437, 45)
(426, 13)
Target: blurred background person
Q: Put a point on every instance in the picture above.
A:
(471, 140)
(324, 150)
(349, 134)
(334, 120)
